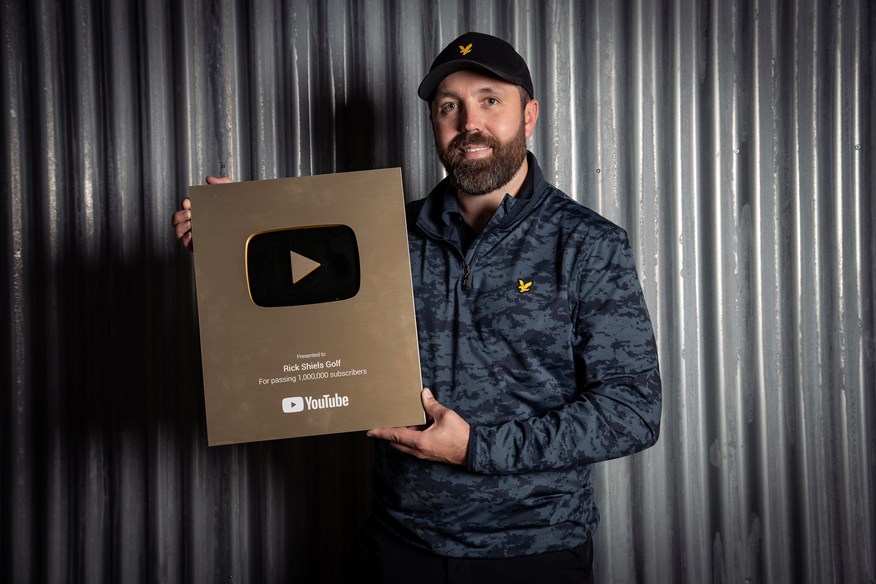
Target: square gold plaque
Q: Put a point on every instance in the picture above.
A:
(305, 306)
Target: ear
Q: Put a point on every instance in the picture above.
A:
(530, 116)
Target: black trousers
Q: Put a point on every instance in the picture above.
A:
(393, 561)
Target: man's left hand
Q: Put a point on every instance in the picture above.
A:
(444, 440)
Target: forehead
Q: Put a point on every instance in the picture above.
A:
(467, 82)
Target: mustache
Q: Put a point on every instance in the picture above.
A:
(476, 139)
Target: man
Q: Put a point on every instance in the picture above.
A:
(535, 342)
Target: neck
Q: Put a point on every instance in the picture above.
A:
(479, 209)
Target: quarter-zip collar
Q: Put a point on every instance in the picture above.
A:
(440, 215)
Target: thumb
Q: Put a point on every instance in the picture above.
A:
(218, 180)
(430, 404)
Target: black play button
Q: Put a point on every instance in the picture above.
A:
(302, 265)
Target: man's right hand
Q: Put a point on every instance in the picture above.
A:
(182, 219)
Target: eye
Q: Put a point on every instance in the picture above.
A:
(491, 101)
(447, 107)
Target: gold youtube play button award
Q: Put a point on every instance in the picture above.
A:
(305, 306)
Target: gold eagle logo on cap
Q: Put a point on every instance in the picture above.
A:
(523, 287)
(465, 50)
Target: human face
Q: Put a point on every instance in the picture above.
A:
(481, 125)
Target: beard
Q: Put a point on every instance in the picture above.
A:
(483, 175)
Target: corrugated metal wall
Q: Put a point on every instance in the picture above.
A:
(733, 139)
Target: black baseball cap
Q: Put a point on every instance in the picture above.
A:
(481, 52)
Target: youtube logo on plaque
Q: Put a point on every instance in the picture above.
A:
(302, 265)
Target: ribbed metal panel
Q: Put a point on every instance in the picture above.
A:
(734, 140)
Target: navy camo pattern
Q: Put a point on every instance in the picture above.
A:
(540, 338)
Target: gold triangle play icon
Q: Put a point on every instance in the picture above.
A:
(301, 266)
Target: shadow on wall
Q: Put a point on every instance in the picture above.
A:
(115, 439)
(344, 139)
(104, 446)
(355, 135)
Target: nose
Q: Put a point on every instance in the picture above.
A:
(471, 120)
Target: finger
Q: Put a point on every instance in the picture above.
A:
(430, 405)
(218, 180)
(186, 204)
(402, 435)
(184, 228)
(181, 216)
(380, 433)
(386, 432)
(427, 399)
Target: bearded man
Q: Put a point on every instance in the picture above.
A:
(535, 342)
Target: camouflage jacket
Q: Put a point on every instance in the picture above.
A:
(539, 337)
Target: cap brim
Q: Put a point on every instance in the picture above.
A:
(431, 82)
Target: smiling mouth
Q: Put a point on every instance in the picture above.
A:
(473, 146)
(475, 151)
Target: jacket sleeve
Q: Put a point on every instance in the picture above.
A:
(617, 401)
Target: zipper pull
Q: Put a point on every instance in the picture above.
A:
(465, 277)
